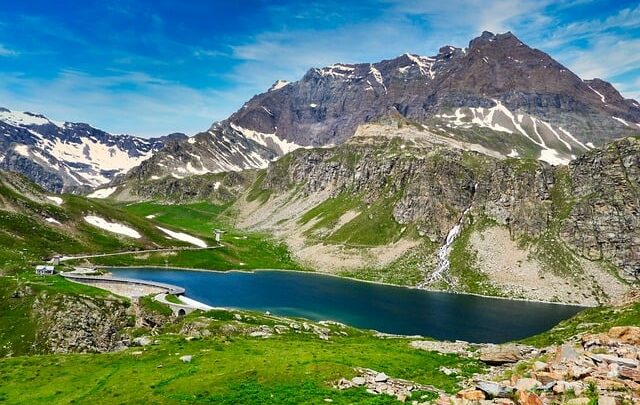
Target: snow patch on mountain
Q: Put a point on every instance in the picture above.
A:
(113, 227)
(184, 237)
(102, 192)
(271, 141)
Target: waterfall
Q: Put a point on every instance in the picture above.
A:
(445, 250)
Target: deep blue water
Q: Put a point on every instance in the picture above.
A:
(365, 305)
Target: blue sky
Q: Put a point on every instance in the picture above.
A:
(153, 67)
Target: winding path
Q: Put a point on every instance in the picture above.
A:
(129, 252)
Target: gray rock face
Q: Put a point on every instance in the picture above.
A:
(604, 222)
(72, 324)
(328, 104)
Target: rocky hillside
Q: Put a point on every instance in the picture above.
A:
(385, 208)
(66, 156)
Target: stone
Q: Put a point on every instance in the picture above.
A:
(626, 334)
(186, 359)
(566, 353)
(605, 400)
(528, 398)
(622, 361)
(142, 341)
(494, 389)
(578, 401)
(358, 381)
(499, 355)
(540, 366)
(381, 377)
(630, 373)
(546, 377)
(471, 395)
(527, 384)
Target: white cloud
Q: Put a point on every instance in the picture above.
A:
(148, 107)
(4, 51)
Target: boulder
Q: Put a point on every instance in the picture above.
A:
(497, 355)
(381, 377)
(540, 366)
(625, 334)
(494, 389)
(546, 377)
(471, 395)
(527, 384)
(604, 400)
(186, 359)
(630, 373)
(142, 341)
(528, 398)
(358, 380)
(621, 361)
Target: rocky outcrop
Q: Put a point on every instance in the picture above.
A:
(80, 324)
(604, 221)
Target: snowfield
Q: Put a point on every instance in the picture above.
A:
(102, 192)
(112, 226)
(184, 237)
(56, 200)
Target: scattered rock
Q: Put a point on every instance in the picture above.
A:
(142, 341)
(578, 401)
(497, 355)
(381, 377)
(527, 384)
(605, 400)
(186, 359)
(358, 381)
(471, 395)
(494, 389)
(631, 373)
(528, 398)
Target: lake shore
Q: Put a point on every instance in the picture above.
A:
(353, 279)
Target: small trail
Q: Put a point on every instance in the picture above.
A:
(129, 252)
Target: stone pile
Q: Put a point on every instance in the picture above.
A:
(380, 383)
(602, 369)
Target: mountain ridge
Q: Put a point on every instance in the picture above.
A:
(498, 93)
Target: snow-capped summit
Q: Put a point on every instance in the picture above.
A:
(65, 155)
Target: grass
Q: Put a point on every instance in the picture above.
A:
(295, 368)
(173, 299)
(463, 261)
(240, 250)
(151, 305)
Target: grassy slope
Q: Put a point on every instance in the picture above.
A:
(247, 250)
(285, 369)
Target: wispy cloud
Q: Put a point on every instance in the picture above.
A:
(4, 51)
(116, 103)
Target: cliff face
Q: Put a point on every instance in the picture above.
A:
(604, 221)
(567, 218)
